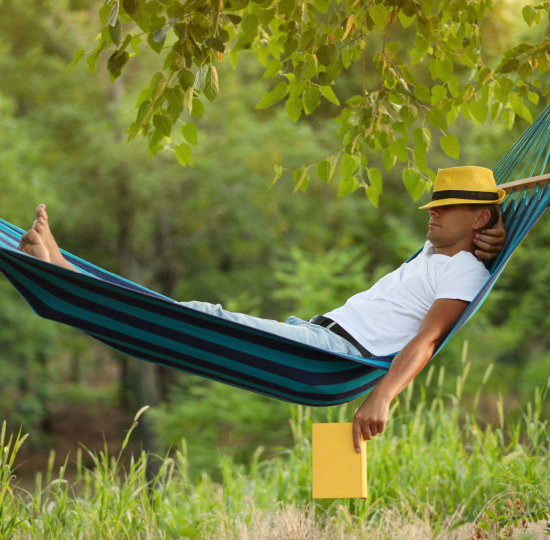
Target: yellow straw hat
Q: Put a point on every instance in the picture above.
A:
(465, 185)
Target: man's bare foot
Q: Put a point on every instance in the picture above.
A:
(43, 229)
(31, 243)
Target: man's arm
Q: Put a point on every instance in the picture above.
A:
(490, 242)
(372, 416)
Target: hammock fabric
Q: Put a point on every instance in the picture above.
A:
(152, 327)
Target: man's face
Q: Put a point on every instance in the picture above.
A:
(450, 224)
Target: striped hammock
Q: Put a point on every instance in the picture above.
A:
(147, 325)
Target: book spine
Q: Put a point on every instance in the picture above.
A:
(364, 490)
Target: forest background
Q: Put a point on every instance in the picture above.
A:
(214, 232)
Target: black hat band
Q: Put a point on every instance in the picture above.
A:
(463, 194)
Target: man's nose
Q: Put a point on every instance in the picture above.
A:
(432, 212)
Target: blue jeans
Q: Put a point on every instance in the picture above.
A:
(293, 328)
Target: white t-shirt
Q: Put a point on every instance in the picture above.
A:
(387, 316)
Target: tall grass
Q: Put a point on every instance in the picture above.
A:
(431, 474)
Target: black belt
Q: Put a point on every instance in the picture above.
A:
(321, 320)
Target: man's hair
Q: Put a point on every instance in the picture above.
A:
(493, 208)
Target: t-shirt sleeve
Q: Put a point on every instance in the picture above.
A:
(462, 278)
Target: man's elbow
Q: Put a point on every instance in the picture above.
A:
(431, 338)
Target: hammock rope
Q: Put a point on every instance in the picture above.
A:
(152, 327)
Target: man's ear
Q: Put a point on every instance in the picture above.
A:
(483, 217)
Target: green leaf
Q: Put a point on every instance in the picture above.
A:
(278, 171)
(490, 514)
(113, 14)
(408, 115)
(321, 5)
(131, 6)
(211, 88)
(509, 117)
(483, 525)
(399, 150)
(443, 69)
(422, 92)
(347, 185)
(479, 110)
(215, 44)
(413, 183)
(372, 195)
(293, 107)
(301, 178)
(379, 14)
(326, 54)
(198, 108)
(116, 62)
(311, 99)
(269, 98)
(175, 96)
(533, 97)
(183, 154)
(163, 124)
(329, 94)
(272, 69)
(422, 137)
(529, 14)
(437, 119)
(348, 165)
(160, 35)
(77, 56)
(200, 78)
(144, 113)
(496, 108)
(375, 177)
(326, 168)
(249, 24)
(189, 131)
(389, 159)
(114, 32)
(449, 144)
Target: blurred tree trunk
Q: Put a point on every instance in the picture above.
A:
(148, 387)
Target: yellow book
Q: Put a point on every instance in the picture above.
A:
(338, 470)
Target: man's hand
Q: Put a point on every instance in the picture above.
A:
(370, 419)
(490, 242)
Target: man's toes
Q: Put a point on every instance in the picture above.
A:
(41, 211)
(33, 237)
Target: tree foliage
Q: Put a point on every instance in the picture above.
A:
(305, 46)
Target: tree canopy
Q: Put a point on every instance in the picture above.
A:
(305, 46)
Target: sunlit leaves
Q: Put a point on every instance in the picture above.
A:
(307, 46)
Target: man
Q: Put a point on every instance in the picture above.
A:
(410, 310)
